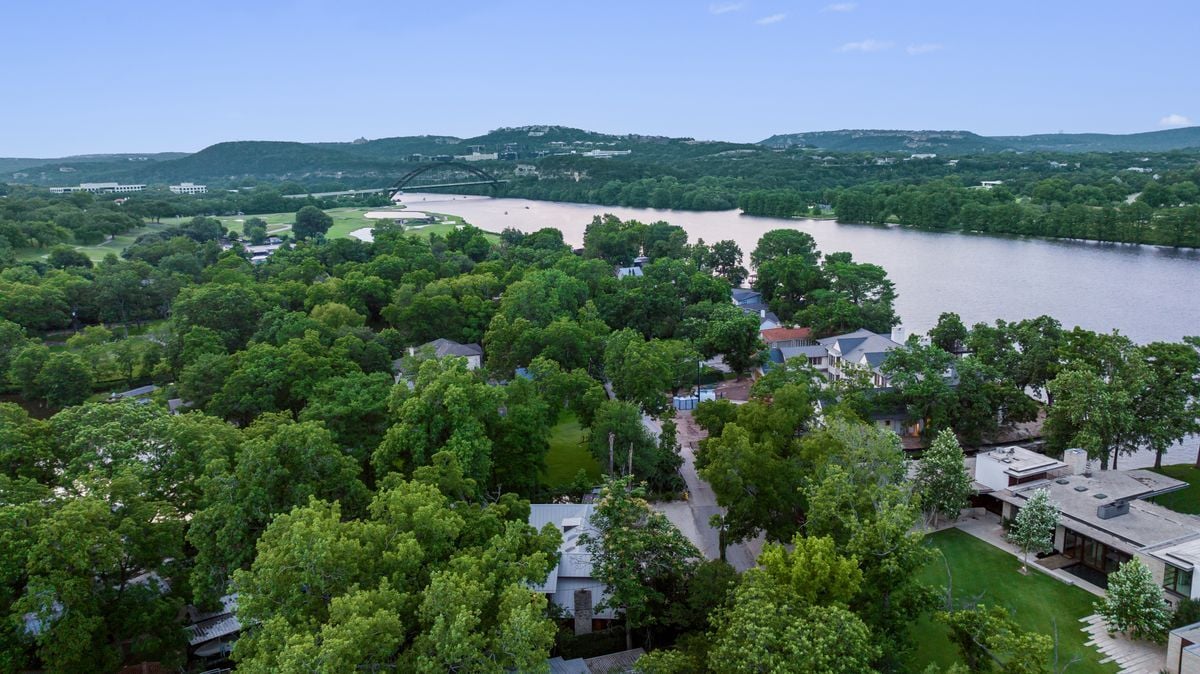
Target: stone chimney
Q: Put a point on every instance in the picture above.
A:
(583, 612)
(1077, 460)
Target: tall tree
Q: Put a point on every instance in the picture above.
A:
(1033, 528)
(941, 480)
(637, 554)
(311, 223)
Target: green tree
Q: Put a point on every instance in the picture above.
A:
(95, 583)
(734, 335)
(764, 632)
(991, 641)
(64, 380)
(725, 259)
(949, 335)
(1033, 528)
(1133, 603)
(255, 229)
(311, 223)
(942, 480)
(637, 554)
(424, 583)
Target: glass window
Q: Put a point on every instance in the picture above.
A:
(1178, 580)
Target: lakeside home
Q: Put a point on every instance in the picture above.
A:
(1105, 517)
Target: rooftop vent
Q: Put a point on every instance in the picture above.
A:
(1099, 495)
(1107, 511)
(1081, 488)
(1062, 481)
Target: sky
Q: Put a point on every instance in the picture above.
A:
(130, 76)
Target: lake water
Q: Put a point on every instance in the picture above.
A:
(1146, 292)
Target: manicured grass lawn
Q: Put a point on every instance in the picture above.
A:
(568, 454)
(345, 220)
(984, 574)
(1186, 500)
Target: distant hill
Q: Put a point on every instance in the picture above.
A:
(965, 142)
(376, 161)
(18, 164)
(881, 140)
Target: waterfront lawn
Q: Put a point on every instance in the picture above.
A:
(1186, 500)
(984, 574)
(568, 454)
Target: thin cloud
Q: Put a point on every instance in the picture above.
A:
(841, 7)
(925, 48)
(1174, 119)
(726, 7)
(768, 20)
(865, 46)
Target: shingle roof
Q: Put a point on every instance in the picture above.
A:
(445, 347)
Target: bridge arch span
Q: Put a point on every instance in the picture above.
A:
(484, 176)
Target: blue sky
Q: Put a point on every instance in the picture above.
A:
(86, 77)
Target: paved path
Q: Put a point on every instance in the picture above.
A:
(692, 516)
(1133, 657)
(986, 527)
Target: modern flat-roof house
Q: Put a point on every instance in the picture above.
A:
(570, 584)
(188, 188)
(1104, 517)
(1183, 650)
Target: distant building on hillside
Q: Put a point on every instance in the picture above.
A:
(989, 184)
(188, 188)
(99, 188)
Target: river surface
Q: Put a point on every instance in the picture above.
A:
(1147, 292)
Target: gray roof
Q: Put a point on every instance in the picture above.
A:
(622, 272)
(136, 392)
(572, 520)
(861, 346)
(445, 347)
(614, 663)
(740, 295)
(574, 666)
(812, 351)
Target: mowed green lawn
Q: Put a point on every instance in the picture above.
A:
(985, 574)
(1186, 500)
(568, 454)
(345, 221)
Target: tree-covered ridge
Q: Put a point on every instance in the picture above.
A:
(965, 142)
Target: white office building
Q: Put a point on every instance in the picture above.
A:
(188, 188)
(99, 188)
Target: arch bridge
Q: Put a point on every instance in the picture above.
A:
(481, 176)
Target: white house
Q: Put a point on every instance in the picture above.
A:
(570, 584)
(442, 348)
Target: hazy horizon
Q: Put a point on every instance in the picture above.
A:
(156, 77)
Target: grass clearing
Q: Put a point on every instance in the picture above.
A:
(568, 454)
(984, 574)
(345, 220)
(1186, 500)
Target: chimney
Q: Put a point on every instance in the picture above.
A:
(1077, 460)
(762, 313)
(898, 334)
